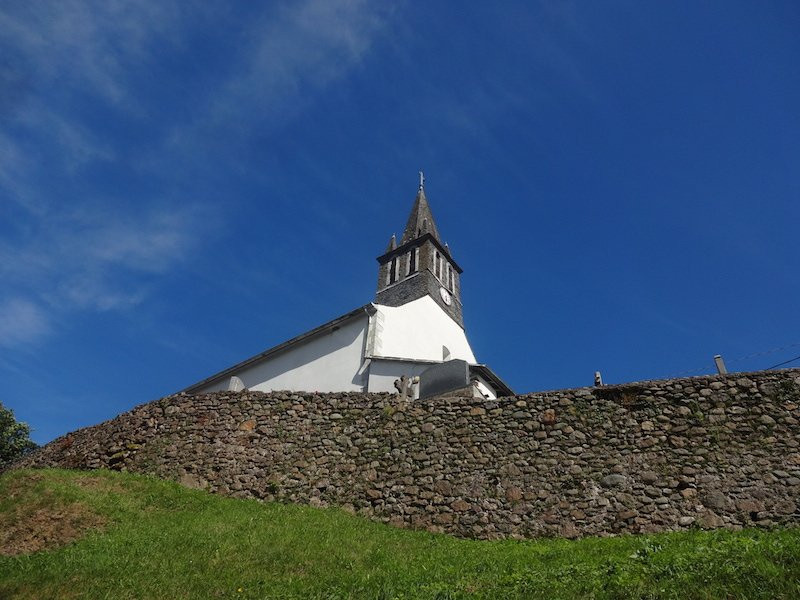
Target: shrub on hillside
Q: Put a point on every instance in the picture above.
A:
(14, 438)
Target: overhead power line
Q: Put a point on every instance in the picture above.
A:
(765, 352)
(741, 358)
(786, 362)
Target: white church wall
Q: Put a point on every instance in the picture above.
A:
(418, 330)
(485, 388)
(328, 362)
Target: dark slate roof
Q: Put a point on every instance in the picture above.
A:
(501, 388)
(420, 220)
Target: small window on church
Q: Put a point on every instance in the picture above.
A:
(393, 270)
(449, 279)
(412, 260)
(436, 263)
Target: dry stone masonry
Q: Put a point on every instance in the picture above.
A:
(719, 451)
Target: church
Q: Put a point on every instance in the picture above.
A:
(414, 323)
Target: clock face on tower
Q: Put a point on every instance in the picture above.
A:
(445, 296)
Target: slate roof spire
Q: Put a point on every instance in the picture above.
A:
(420, 221)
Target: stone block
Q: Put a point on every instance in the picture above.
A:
(513, 494)
(460, 505)
(613, 480)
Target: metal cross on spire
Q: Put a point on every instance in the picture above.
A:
(421, 181)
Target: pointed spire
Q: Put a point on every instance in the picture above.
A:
(420, 221)
(392, 244)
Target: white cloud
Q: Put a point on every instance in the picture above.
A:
(71, 245)
(86, 292)
(21, 322)
(78, 259)
(289, 56)
(89, 44)
(150, 243)
(308, 45)
(284, 56)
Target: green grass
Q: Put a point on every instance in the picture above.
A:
(164, 541)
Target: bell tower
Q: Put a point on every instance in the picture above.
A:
(420, 264)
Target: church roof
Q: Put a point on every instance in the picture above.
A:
(501, 388)
(420, 221)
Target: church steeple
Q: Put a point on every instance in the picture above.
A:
(420, 265)
(420, 220)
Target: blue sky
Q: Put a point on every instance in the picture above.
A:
(183, 185)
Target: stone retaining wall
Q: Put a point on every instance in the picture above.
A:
(718, 451)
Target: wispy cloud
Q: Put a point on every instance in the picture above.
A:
(544, 50)
(21, 322)
(77, 101)
(302, 48)
(288, 56)
(95, 260)
(90, 44)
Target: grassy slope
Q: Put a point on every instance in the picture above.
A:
(163, 541)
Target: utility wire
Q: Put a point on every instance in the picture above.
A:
(689, 372)
(764, 353)
(786, 362)
(741, 358)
